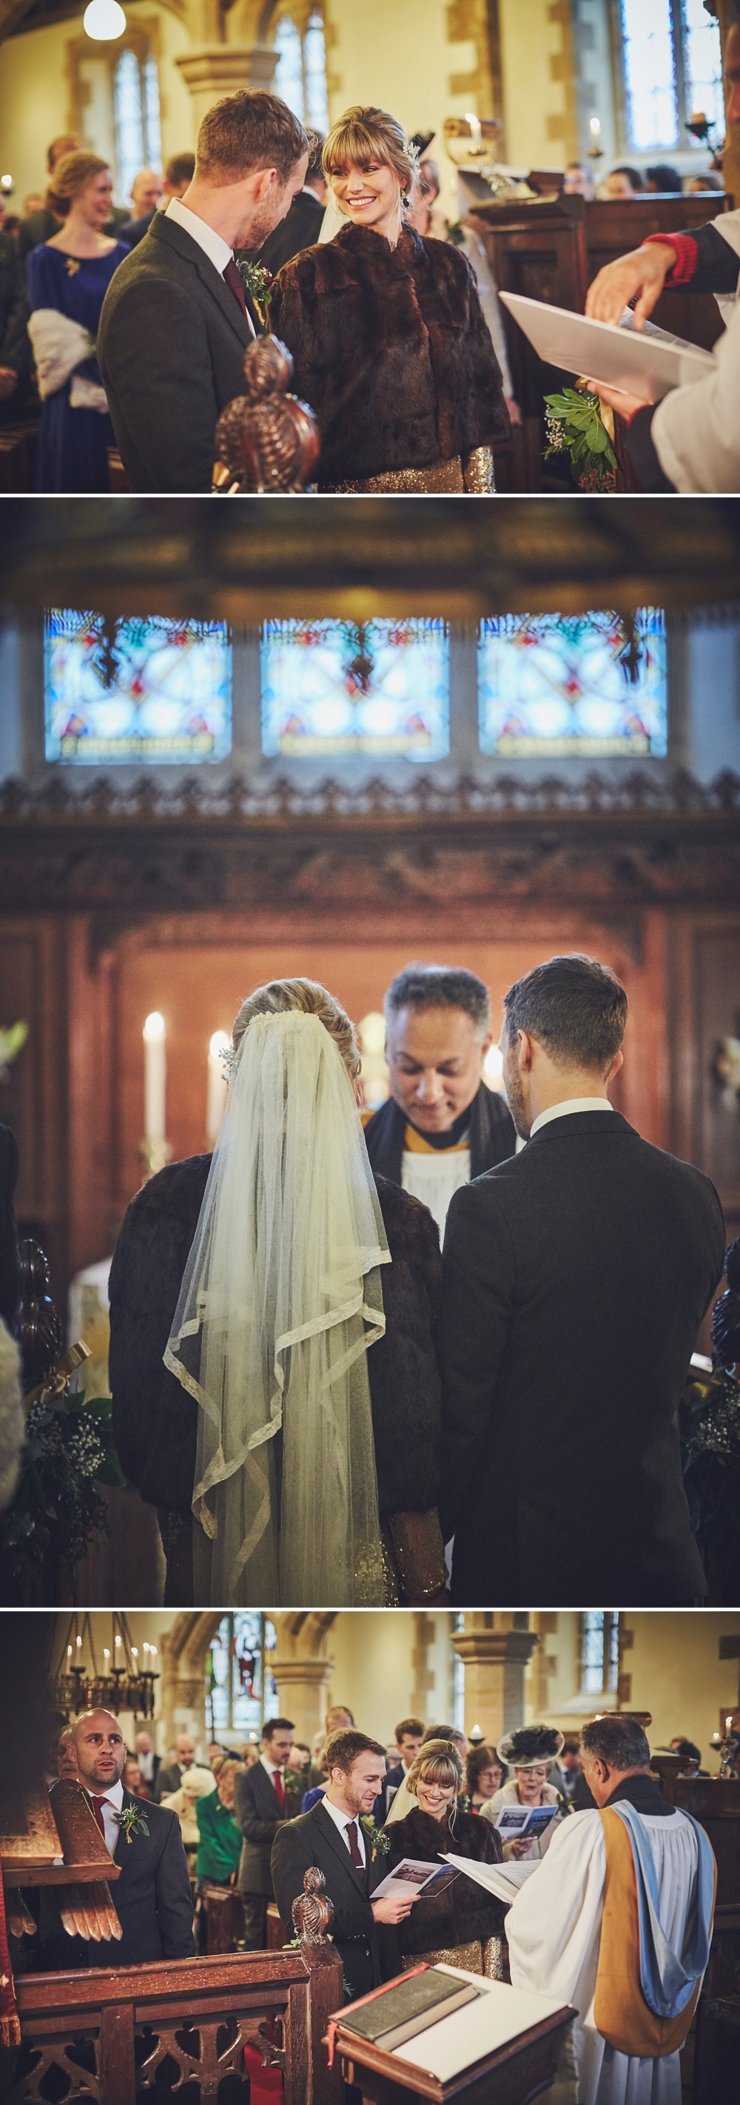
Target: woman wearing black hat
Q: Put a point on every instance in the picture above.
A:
(529, 1752)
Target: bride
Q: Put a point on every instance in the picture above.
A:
(296, 1299)
(389, 342)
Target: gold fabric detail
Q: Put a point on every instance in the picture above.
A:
(478, 474)
(418, 1550)
(442, 477)
(467, 1956)
(367, 1578)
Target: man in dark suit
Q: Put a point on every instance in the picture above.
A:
(152, 1897)
(408, 1735)
(575, 1278)
(176, 322)
(441, 1124)
(302, 224)
(169, 1778)
(261, 1800)
(332, 1836)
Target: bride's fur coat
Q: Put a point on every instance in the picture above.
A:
(391, 351)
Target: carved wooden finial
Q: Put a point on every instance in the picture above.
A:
(266, 439)
(312, 1910)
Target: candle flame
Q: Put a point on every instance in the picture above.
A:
(154, 1028)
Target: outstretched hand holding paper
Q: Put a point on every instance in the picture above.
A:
(640, 365)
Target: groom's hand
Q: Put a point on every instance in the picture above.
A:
(393, 1907)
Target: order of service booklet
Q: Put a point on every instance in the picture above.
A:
(390, 2016)
(645, 362)
(413, 1874)
(516, 1820)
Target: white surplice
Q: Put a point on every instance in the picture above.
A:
(554, 1929)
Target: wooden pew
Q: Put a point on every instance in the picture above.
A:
(550, 249)
(121, 2035)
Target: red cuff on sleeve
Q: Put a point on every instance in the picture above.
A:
(686, 254)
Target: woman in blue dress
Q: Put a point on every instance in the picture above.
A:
(68, 277)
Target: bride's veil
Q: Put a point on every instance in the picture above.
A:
(280, 1301)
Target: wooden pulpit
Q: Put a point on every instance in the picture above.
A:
(520, 2067)
(550, 249)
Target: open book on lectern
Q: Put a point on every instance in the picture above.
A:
(643, 362)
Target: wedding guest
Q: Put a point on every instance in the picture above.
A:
(390, 345)
(177, 176)
(623, 183)
(662, 178)
(15, 350)
(265, 1795)
(459, 1927)
(575, 1279)
(283, 1236)
(68, 277)
(302, 224)
(408, 1738)
(180, 294)
(169, 1777)
(40, 218)
(530, 1752)
(484, 1774)
(691, 440)
(441, 1124)
(577, 180)
(465, 236)
(219, 1835)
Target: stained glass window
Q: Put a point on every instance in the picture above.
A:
(129, 690)
(599, 1651)
(376, 687)
(672, 66)
(552, 685)
(240, 1688)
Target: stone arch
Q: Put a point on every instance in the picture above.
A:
(301, 1666)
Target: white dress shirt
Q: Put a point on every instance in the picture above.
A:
(213, 245)
(344, 1820)
(573, 1103)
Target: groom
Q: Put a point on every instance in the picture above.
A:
(334, 1837)
(575, 1278)
(176, 321)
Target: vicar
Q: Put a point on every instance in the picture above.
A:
(617, 1921)
(575, 1278)
(341, 1838)
(176, 320)
(691, 440)
(264, 1795)
(441, 1124)
(152, 1897)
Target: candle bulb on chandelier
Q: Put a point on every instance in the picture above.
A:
(155, 1076)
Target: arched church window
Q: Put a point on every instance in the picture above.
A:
(458, 1680)
(129, 690)
(376, 688)
(671, 69)
(300, 75)
(567, 686)
(136, 115)
(599, 1651)
(240, 1687)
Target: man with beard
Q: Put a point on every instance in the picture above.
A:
(176, 320)
(333, 1837)
(575, 1278)
(152, 1897)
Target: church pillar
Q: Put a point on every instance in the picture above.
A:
(217, 70)
(495, 1658)
(303, 1686)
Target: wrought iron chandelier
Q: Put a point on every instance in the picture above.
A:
(124, 1681)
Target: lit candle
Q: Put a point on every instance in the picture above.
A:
(698, 117)
(134, 1652)
(106, 1653)
(216, 1098)
(78, 1642)
(69, 1651)
(728, 1724)
(154, 1076)
(594, 126)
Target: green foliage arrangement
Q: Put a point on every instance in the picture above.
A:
(574, 425)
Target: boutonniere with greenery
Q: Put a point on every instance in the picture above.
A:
(377, 1838)
(578, 424)
(258, 283)
(291, 1780)
(132, 1822)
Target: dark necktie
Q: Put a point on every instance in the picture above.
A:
(235, 282)
(279, 1788)
(353, 1845)
(97, 1806)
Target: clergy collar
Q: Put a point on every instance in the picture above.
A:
(644, 1793)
